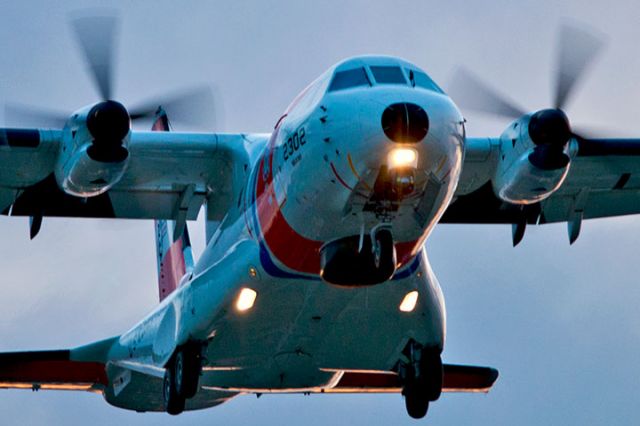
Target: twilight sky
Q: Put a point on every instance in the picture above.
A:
(561, 323)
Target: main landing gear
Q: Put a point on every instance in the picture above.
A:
(422, 377)
(181, 377)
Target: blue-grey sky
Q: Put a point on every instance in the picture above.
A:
(561, 323)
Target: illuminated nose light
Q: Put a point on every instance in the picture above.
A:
(409, 302)
(246, 299)
(402, 158)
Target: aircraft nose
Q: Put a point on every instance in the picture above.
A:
(405, 122)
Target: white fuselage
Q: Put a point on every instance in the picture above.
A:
(295, 196)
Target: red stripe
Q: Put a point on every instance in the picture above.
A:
(339, 178)
(172, 269)
(292, 249)
(295, 251)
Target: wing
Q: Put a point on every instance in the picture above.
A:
(169, 174)
(603, 181)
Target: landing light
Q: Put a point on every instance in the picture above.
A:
(246, 299)
(409, 302)
(402, 158)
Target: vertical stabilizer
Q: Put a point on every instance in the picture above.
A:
(175, 258)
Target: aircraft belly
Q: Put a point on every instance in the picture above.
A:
(301, 334)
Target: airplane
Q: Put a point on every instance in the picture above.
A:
(315, 278)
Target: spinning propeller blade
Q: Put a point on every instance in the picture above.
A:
(193, 106)
(470, 92)
(96, 36)
(29, 116)
(577, 48)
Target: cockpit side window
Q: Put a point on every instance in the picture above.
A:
(350, 78)
(388, 75)
(420, 79)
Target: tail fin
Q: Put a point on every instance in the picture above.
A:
(175, 258)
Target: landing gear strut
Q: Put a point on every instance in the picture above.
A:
(422, 378)
(181, 377)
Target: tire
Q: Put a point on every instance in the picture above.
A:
(173, 401)
(434, 375)
(186, 367)
(384, 254)
(416, 402)
(191, 370)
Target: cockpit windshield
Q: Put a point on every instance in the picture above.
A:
(388, 75)
(420, 79)
(349, 78)
(371, 71)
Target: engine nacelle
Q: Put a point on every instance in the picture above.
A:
(94, 155)
(535, 157)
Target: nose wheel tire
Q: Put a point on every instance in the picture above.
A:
(384, 254)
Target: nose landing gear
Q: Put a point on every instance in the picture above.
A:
(359, 260)
(384, 254)
(422, 377)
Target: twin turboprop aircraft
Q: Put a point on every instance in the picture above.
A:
(315, 277)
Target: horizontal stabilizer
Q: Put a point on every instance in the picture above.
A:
(457, 378)
(50, 370)
(123, 384)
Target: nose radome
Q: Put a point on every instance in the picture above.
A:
(405, 122)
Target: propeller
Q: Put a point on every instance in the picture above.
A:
(577, 49)
(549, 129)
(96, 36)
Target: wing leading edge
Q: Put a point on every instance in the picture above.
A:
(168, 174)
